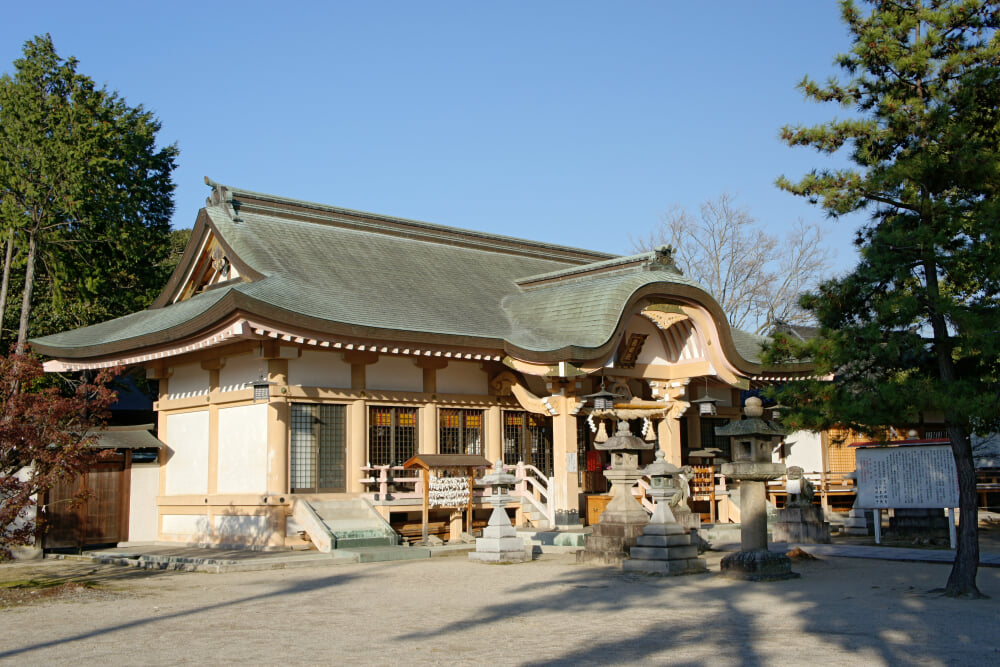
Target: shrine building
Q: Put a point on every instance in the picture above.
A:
(304, 352)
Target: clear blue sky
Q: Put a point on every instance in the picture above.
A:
(570, 122)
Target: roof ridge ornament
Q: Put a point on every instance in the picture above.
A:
(662, 258)
(220, 197)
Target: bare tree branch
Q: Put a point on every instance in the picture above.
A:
(757, 277)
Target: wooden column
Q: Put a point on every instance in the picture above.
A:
(566, 491)
(278, 425)
(669, 433)
(357, 418)
(357, 438)
(493, 434)
(213, 366)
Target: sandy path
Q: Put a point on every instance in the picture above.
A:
(448, 610)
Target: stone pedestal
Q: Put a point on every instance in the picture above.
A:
(856, 523)
(664, 548)
(758, 565)
(801, 524)
(752, 442)
(620, 526)
(499, 543)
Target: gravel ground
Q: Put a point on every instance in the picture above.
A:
(448, 610)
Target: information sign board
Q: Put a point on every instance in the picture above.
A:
(921, 476)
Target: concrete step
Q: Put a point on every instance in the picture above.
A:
(378, 554)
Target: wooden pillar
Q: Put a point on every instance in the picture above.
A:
(493, 434)
(669, 433)
(213, 366)
(357, 418)
(566, 491)
(278, 425)
(357, 451)
(427, 422)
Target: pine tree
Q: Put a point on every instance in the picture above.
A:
(85, 190)
(914, 327)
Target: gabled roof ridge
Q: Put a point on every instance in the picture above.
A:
(654, 260)
(229, 198)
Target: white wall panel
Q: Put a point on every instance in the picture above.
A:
(243, 449)
(187, 381)
(462, 378)
(316, 368)
(187, 458)
(194, 525)
(143, 489)
(238, 371)
(394, 373)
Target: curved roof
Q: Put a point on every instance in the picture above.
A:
(337, 271)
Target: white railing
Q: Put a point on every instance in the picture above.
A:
(535, 489)
(391, 483)
(641, 492)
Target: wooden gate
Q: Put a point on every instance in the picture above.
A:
(102, 519)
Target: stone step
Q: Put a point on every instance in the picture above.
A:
(664, 540)
(663, 553)
(376, 554)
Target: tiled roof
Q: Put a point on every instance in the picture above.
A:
(336, 270)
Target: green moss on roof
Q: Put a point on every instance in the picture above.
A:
(340, 270)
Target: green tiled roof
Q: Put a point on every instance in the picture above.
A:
(339, 271)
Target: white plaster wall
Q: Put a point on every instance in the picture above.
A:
(238, 371)
(252, 528)
(316, 368)
(462, 378)
(187, 462)
(394, 373)
(806, 451)
(186, 525)
(143, 489)
(653, 351)
(187, 381)
(243, 449)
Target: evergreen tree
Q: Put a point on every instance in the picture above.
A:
(86, 192)
(913, 328)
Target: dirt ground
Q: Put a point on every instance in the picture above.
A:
(449, 610)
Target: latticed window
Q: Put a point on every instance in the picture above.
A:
(527, 437)
(460, 431)
(392, 435)
(319, 448)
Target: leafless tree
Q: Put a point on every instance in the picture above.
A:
(756, 276)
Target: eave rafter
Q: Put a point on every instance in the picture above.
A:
(247, 329)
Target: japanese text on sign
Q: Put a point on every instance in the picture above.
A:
(907, 477)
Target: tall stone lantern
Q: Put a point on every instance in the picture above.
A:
(752, 442)
(624, 518)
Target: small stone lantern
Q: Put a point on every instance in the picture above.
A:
(499, 543)
(665, 546)
(752, 443)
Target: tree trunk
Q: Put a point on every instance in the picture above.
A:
(962, 580)
(6, 279)
(29, 285)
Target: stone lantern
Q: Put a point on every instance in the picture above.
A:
(624, 518)
(499, 543)
(665, 546)
(752, 442)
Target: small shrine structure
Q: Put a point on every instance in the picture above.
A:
(448, 481)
